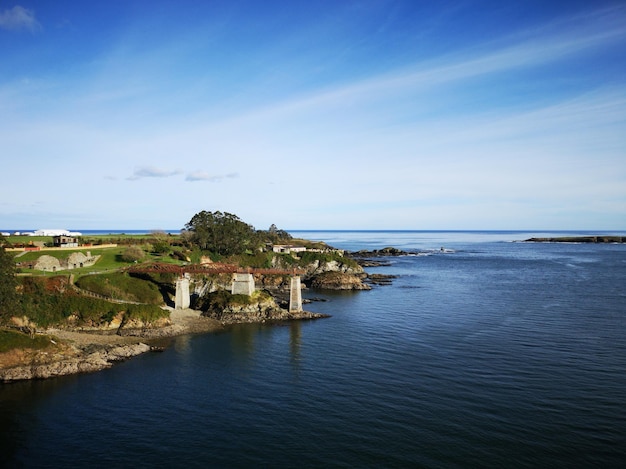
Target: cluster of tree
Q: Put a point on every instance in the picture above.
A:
(225, 234)
(276, 236)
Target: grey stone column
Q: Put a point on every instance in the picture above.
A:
(182, 293)
(295, 295)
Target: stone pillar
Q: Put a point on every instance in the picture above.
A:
(295, 295)
(182, 293)
(243, 284)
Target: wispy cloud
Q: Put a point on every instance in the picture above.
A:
(19, 18)
(152, 172)
(523, 51)
(193, 176)
(204, 176)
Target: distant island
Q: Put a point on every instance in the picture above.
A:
(580, 239)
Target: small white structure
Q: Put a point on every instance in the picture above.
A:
(287, 248)
(48, 264)
(76, 260)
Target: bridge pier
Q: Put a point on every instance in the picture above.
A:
(182, 293)
(243, 284)
(295, 295)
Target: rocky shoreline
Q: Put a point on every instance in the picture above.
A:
(81, 350)
(75, 351)
(81, 362)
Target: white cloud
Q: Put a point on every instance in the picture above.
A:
(18, 18)
(204, 176)
(152, 172)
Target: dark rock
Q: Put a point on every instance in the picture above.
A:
(384, 252)
(380, 279)
(580, 239)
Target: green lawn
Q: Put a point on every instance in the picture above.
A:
(27, 239)
(110, 260)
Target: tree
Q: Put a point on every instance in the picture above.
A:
(275, 236)
(8, 282)
(222, 233)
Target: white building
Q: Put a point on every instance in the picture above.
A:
(287, 248)
(48, 232)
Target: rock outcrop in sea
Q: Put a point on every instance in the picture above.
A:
(339, 281)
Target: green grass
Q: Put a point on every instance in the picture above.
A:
(122, 287)
(261, 260)
(110, 260)
(10, 340)
(308, 243)
(27, 239)
(127, 239)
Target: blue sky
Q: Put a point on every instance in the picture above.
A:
(321, 114)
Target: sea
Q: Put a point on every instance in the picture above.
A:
(484, 352)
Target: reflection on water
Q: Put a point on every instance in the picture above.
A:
(499, 356)
(295, 342)
(182, 345)
(245, 339)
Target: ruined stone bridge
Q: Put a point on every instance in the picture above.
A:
(242, 279)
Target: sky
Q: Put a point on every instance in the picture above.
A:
(313, 114)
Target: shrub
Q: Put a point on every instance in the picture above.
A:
(309, 257)
(146, 313)
(161, 246)
(260, 260)
(133, 254)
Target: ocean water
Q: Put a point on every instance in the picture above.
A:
(490, 353)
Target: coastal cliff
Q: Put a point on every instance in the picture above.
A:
(331, 274)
